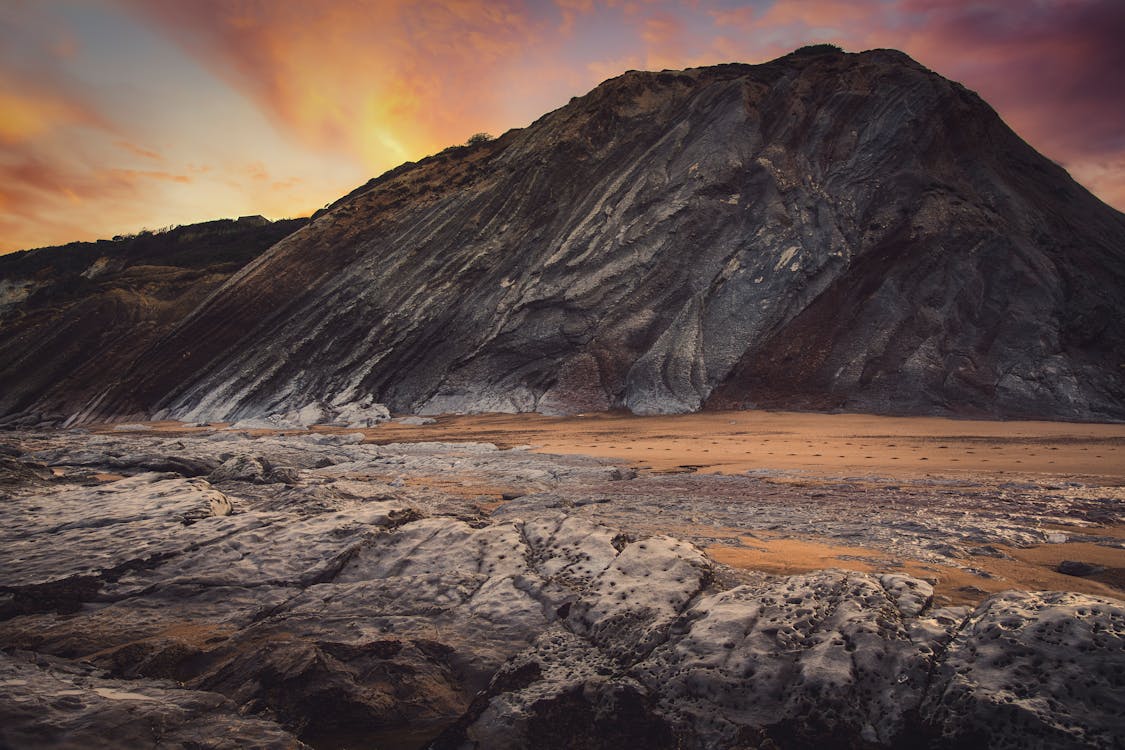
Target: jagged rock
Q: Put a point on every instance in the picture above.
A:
(132, 427)
(148, 283)
(188, 466)
(630, 604)
(351, 438)
(563, 692)
(911, 595)
(827, 659)
(345, 608)
(415, 420)
(310, 414)
(243, 468)
(271, 422)
(256, 469)
(363, 413)
(1046, 666)
(16, 471)
(128, 524)
(48, 703)
(221, 506)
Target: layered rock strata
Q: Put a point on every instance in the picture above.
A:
(823, 231)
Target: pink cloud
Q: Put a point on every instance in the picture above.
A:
(386, 80)
(377, 82)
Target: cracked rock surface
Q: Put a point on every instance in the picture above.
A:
(390, 596)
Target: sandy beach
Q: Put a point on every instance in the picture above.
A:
(359, 543)
(814, 444)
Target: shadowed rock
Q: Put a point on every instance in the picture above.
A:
(1078, 568)
(50, 703)
(74, 318)
(826, 230)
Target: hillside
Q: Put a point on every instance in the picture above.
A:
(823, 231)
(74, 318)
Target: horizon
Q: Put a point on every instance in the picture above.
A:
(239, 111)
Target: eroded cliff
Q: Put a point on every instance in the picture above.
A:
(826, 230)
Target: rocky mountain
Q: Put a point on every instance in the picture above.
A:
(75, 317)
(826, 230)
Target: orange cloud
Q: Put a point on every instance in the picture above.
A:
(136, 150)
(387, 80)
(664, 38)
(820, 14)
(137, 174)
(25, 115)
(1106, 177)
(357, 87)
(43, 196)
(570, 10)
(48, 196)
(738, 17)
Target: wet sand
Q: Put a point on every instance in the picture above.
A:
(802, 443)
(1026, 568)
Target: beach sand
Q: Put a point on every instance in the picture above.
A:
(803, 443)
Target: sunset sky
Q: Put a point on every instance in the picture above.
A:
(121, 114)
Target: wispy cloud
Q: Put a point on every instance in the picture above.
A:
(28, 112)
(384, 80)
(138, 150)
(332, 92)
(1052, 70)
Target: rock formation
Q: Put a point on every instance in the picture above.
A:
(74, 318)
(348, 598)
(826, 230)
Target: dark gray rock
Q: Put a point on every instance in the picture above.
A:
(829, 659)
(414, 420)
(91, 308)
(243, 468)
(49, 703)
(1078, 568)
(826, 230)
(1032, 665)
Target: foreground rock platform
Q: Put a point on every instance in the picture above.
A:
(231, 590)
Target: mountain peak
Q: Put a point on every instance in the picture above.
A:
(824, 230)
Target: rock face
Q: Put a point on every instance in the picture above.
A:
(348, 605)
(74, 318)
(824, 660)
(825, 230)
(51, 703)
